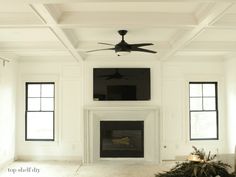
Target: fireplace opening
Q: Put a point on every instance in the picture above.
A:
(121, 138)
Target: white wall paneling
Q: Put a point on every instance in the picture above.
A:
(169, 92)
(174, 107)
(68, 100)
(230, 95)
(8, 89)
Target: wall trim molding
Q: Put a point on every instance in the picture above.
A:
(6, 163)
(48, 158)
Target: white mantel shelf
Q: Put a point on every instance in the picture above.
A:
(131, 108)
(91, 134)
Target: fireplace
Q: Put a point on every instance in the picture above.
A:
(146, 115)
(122, 139)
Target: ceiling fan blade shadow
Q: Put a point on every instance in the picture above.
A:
(105, 43)
(100, 50)
(109, 78)
(140, 45)
(143, 50)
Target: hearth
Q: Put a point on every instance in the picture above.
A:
(122, 139)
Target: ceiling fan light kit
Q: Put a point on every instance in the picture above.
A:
(123, 48)
(122, 53)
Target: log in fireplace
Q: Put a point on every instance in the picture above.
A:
(122, 139)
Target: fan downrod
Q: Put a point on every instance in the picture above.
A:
(122, 32)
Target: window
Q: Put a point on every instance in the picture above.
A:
(39, 111)
(203, 110)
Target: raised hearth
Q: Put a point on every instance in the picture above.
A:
(94, 116)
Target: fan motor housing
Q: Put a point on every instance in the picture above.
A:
(122, 46)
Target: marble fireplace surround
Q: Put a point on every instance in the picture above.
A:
(91, 129)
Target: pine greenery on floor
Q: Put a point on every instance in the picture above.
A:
(199, 165)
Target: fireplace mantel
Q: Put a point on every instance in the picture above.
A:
(91, 133)
(131, 108)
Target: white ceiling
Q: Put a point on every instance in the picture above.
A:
(70, 28)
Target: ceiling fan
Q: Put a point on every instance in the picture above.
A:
(123, 47)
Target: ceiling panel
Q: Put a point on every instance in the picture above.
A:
(38, 53)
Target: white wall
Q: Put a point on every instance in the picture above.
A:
(7, 111)
(230, 74)
(174, 108)
(68, 98)
(169, 91)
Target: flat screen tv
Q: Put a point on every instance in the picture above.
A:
(121, 84)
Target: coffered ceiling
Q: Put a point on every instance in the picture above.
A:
(54, 28)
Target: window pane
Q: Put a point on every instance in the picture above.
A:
(195, 103)
(203, 125)
(39, 125)
(33, 104)
(33, 90)
(47, 90)
(208, 89)
(195, 90)
(209, 104)
(47, 104)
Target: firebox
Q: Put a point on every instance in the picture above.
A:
(122, 139)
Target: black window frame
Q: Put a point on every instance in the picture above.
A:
(26, 110)
(216, 110)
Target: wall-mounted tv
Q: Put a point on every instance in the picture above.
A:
(121, 84)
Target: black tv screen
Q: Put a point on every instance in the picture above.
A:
(121, 84)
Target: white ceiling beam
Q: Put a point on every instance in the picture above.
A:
(213, 12)
(127, 19)
(8, 56)
(15, 50)
(50, 17)
(38, 53)
(30, 45)
(211, 46)
(201, 53)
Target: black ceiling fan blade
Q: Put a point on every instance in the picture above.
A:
(105, 43)
(100, 50)
(140, 44)
(143, 50)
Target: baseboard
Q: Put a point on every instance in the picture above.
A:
(6, 163)
(48, 158)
